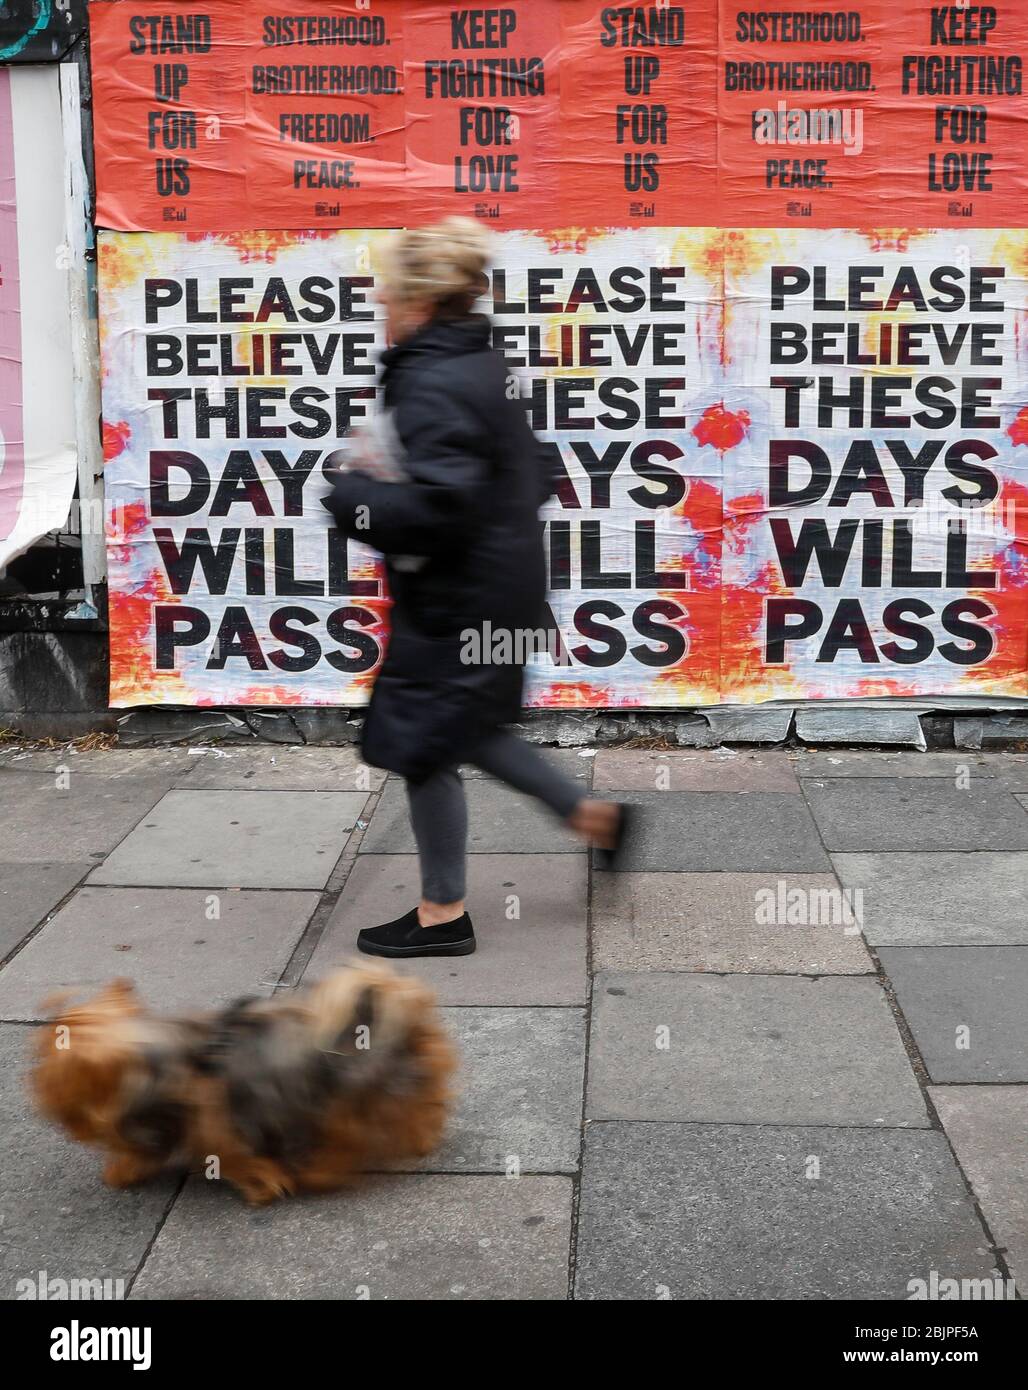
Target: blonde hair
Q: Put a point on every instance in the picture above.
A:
(443, 263)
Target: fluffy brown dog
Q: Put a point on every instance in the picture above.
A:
(297, 1093)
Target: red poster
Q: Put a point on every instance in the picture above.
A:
(954, 110)
(483, 128)
(638, 89)
(549, 114)
(168, 89)
(800, 135)
(325, 115)
(233, 119)
(871, 117)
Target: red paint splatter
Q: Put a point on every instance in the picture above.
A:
(125, 523)
(252, 246)
(701, 507)
(573, 695)
(116, 434)
(741, 514)
(893, 239)
(1013, 507)
(743, 252)
(1004, 671)
(573, 240)
(880, 687)
(269, 695)
(743, 672)
(695, 679)
(722, 428)
(1018, 430)
(134, 681)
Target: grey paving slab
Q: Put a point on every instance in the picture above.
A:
(866, 762)
(749, 724)
(852, 724)
(529, 912)
(234, 839)
(43, 822)
(167, 940)
(500, 821)
(721, 832)
(754, 1213)
(891, 813)
(726, 922)
(519, 1105)
(946, 899)
(748, 1049)
(28, 892)
(966, 1008)
(697, 770)
(155, 763)
(988, 1128)
(428, 1236)
(573, 762)
(281, 767)
(55, 1213)
(1010, 768)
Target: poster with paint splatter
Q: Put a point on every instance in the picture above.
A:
(790, 465)
(234, 366)
(875, 518)
(615, 339)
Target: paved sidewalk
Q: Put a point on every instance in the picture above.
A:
(695, 1078)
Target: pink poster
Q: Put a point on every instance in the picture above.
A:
(12, 445)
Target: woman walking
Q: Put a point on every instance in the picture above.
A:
(462, 543)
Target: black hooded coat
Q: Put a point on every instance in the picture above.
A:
(477, 477)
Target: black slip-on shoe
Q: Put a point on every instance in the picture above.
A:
(608, 858)
(406, 937)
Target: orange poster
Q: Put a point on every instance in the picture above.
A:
(548, 114)
(483, 130)
(234, 118)
(872, 116)
(169, 117)
(954, 111)
(325, 114)
(799, 117)
(638, 93)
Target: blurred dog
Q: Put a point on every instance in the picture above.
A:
(297, 1093)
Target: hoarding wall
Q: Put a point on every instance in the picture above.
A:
(758, 274)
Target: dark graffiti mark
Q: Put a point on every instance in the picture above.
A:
(34, 31)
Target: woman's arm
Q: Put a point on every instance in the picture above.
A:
(448, 460)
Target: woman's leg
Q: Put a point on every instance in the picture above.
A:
(439, 815)
(524, 767)
(438, 926)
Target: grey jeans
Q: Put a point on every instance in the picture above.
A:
(439, 812)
